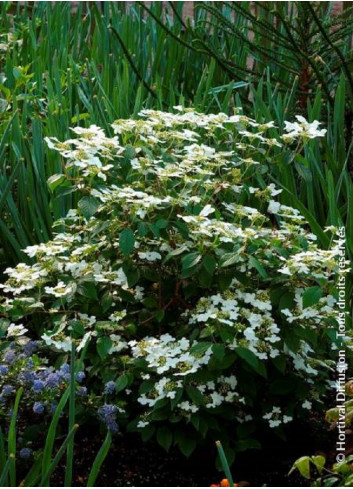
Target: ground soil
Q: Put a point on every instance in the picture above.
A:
(133, 463)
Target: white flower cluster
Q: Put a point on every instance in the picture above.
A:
(303, 128)
(88, 152)
(275, 417)
(253, 326)
(167, 354)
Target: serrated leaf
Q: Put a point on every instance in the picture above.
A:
(247, 444)
(229, 259)
(190, 260)
(176, 252)
(209, 263)
(219, 351)
(88, 206)
(121, 382)
(88, 290)
(164, 437)
(186, 444)
(311, 296)
(256, 264)
(55, 180)
(126, 241)
(195, 395)
(147, 432)
(252, 360)
(104, 344)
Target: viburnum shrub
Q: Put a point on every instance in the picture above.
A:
(204, 305)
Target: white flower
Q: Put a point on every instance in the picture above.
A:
(142, 424)
(150, 256)
(60, 290)
(62, 345)
(307, 405)
(207, 210)
(187, 406)
(16, 330)
(273, 207)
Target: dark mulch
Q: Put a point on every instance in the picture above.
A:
(134, 463)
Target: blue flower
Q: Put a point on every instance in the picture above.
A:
(80, 376)
(52, 380)
(38, 408)
(38, 385)
(107, 414)
(27, 376)
(65, 368)
(81, 391)
(25, 453)
(53, 407)
(65, 371)
(9, 357)
(109, 387)
(3, 369)
(30, 363)
(30, 347)
(7, 390)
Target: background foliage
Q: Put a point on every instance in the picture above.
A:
(61, 68)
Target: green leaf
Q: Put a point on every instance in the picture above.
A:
(311, 296)
(195, 395)
(122, 382)
(280, 363)
(176, 252)
(205, 279)
(256, 264)
(55, 180)
(282, 386)
(161, 223)
(286, 301)
(209, 263)
(159, 315)
(303, 465)
(200, 348)
(252, 360)
(319, 462)
(126, 241)
(229, 259)
(164, 437)
(133, 276)
(247, 444)
(106, 301)
(104, 344)
(186, 443)
(101, 455)
(88, 290)
(88, 206)
(147, 432)
(219, 351)
(190, 260)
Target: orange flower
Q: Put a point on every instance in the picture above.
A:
(224, 483)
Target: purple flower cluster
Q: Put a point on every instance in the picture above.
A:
(107, 414)
(19, 368)
(25, 453)
(109, 387)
